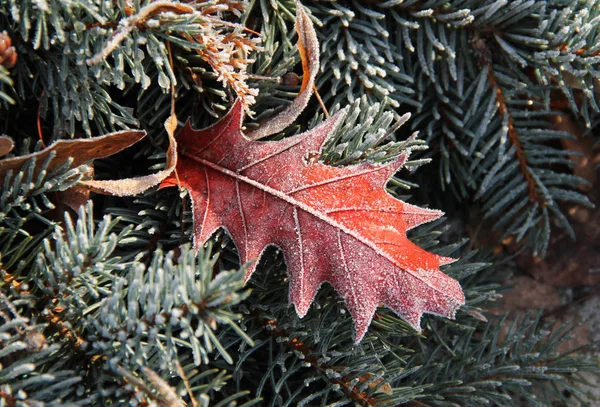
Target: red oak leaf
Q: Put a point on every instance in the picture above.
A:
(334, 224)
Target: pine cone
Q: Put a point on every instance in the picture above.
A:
(8, 54)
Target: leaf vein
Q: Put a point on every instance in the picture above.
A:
(332, 180)
(241, 209)
(245, 167)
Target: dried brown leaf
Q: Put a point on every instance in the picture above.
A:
(308, 46)
(138, 185)
(81, 151)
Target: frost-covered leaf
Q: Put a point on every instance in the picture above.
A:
(334, 224)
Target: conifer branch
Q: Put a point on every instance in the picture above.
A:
(58, 325)
(272, 328)
(513, 137)
(123, 302)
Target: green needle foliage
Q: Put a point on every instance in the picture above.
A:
(107, 305)
(484, 79)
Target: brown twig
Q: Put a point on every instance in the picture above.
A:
(39, 122)
(136, 20)
(186, 382)
(513, 137)
(273, 329)
(485, 60)
(55, 321)
(320, 101)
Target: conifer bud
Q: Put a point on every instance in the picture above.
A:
(291, 79)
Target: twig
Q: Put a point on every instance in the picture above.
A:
(186, 382)
(320, 101)
(513, 136)
(128, 24)
(39, 122)
(273, 329)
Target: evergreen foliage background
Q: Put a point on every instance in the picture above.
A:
(108, 305)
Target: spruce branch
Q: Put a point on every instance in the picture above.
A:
(299, 347)
(81, 269)
(138, 20)
(499, 366)
(367, 133)
(26, 200)
(513, 135)
(220, 51)
(31, 372)
(146, 323)
(146, 320)
(115, 45)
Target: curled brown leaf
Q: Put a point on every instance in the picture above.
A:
(80, 151)
(308, 46)
(138, 185)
